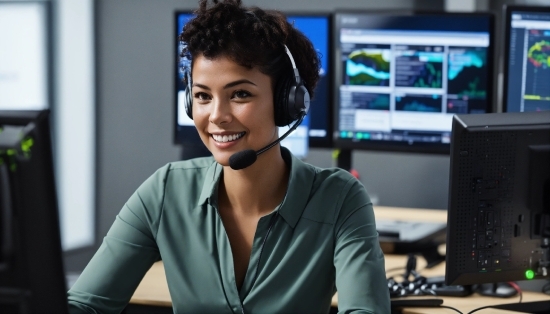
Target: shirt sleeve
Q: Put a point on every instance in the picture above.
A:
(358, 258)
(125, 255)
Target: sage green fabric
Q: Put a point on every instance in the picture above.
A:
(320, 239)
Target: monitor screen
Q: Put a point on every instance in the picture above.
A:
(526, 59)
(314, 130)
(31, 266)
(24, 66)
(498, 226)
(318, 29)
(401, 77)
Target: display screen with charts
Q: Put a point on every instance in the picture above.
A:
(401, 77)
(526, 59)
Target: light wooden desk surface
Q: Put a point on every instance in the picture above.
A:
(153, 289)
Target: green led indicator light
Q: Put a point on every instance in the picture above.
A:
(529, 274)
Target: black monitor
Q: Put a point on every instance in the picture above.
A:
(32, 276)
(400, 77)
(498, 226)
(315, 130)
(526, 84)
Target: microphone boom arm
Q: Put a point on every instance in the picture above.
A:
(296, 124)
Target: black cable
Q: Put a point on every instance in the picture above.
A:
(451, 308)
(480, 308)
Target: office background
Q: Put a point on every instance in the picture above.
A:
(132, 53)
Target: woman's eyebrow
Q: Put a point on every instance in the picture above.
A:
(243, 81)
(228, 85)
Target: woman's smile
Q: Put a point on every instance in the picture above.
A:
(224, 138)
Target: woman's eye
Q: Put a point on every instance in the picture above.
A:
(202, 96)
(240, 94)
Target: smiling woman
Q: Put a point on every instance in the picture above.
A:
(277, 235)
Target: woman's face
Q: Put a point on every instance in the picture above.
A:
(232, 107)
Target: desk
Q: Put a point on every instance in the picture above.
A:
(153, 289)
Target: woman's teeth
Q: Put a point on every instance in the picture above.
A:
(226, 138)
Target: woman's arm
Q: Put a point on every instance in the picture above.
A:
(359, 261)
(126, 254)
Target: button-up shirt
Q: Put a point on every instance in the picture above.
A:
(320, 239)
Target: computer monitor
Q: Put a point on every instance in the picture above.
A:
(400, 77)
(498, 226)
(526, 84)
(318, 28)
(315, 130)
(32, 276)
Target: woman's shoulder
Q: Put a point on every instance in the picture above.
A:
(331, 180)
(331, 175)
(334, 193)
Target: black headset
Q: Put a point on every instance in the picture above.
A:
(291, 97)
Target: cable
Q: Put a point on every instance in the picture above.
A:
(481, 308)
(450, 308)
(518, 289)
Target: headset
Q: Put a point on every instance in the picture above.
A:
(291, 97)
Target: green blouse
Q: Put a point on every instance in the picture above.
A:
(320, 239)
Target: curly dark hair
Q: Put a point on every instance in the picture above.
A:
(251, 37)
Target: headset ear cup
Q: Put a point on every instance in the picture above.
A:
(188, 102)
(280, 102)
(188, 99)
(298, 102)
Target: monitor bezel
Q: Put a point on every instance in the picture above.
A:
(507, 17)
(393, 146)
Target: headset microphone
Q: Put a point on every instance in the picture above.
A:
(247, 157)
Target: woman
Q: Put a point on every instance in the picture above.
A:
(274, 236)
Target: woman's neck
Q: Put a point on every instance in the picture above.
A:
(257, 189)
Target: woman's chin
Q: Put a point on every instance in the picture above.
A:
(222, 158)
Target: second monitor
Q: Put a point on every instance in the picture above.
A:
(401, 77)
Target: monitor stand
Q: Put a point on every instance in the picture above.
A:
(430, 252)
(536, 307)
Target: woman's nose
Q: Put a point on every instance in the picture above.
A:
(220, 111)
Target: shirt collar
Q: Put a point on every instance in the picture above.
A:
(297, 195)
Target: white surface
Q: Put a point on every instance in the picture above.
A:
(75, 121)
(23, 57)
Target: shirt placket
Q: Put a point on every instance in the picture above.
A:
(227, 268)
